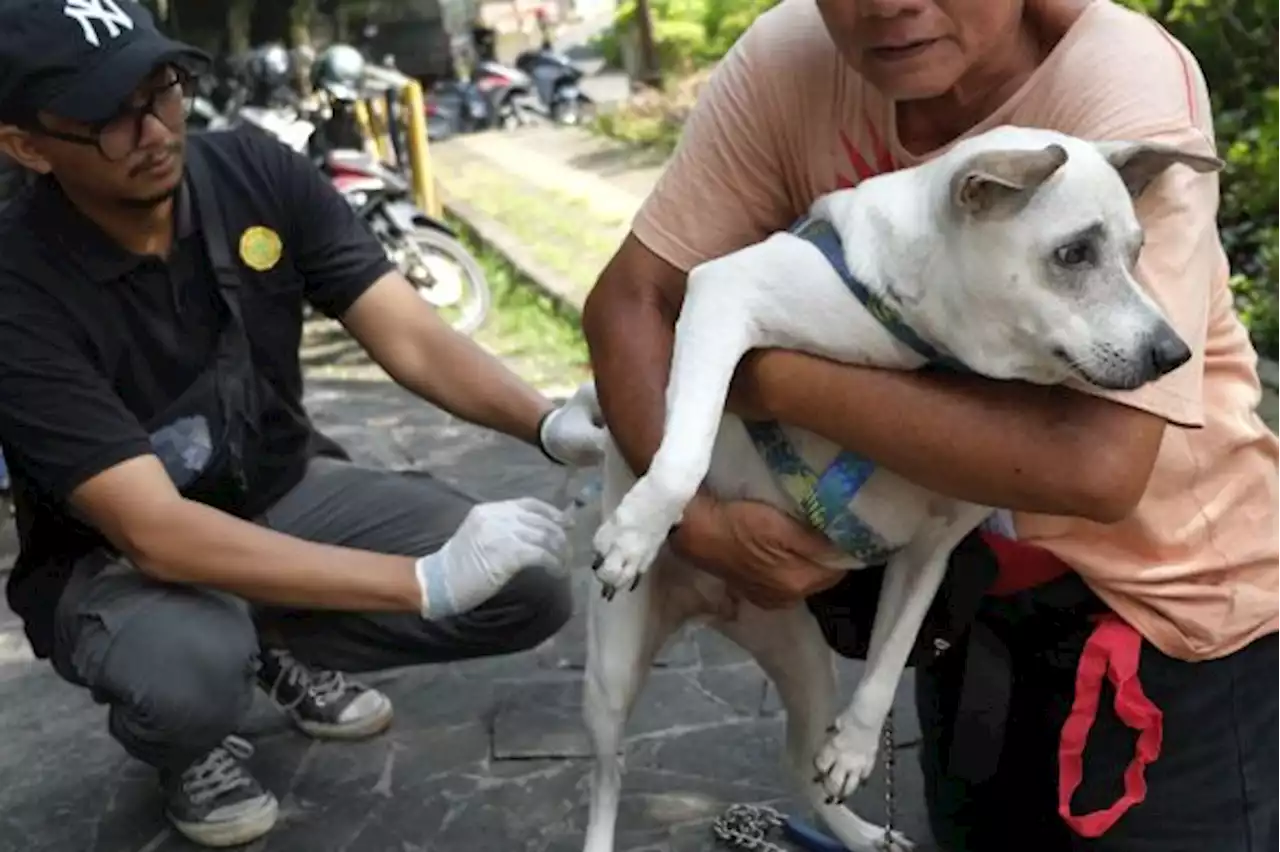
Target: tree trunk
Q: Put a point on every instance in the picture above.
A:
(239, 23)
(650, 71)
(301, 13)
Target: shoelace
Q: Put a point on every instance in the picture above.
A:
(323, 686)
(219, 772)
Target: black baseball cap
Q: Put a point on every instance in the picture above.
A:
(80, 59)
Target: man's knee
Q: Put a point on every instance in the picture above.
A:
(180, 677)
(533, 606)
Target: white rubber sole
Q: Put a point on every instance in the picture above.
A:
(371, 726)
(234, 833)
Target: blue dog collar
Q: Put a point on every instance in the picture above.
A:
(821, 235)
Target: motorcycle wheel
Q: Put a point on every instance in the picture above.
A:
(572, 111)
(447, 277)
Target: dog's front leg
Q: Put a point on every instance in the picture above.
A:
(716, 328)
(849, 756)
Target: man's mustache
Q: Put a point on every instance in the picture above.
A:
(174, 148)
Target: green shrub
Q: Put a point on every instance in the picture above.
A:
(1235, 42)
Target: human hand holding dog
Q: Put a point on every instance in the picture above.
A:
(766, 556)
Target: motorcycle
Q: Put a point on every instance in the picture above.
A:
(556, 82)
(509, 92)
(424, 248)
(457, 106)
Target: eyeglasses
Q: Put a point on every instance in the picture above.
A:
(118, 136)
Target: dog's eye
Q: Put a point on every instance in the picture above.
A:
(1074, 254)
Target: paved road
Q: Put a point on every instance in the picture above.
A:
(488, 756)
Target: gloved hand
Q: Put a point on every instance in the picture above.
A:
(574, 434)
(493, 543)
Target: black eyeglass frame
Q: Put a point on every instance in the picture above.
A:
(181, 78)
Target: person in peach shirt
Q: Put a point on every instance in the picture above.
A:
(1145, 540)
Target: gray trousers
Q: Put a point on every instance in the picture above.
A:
(176, 663)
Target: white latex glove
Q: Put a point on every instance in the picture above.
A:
(494, 542)
(574, 434)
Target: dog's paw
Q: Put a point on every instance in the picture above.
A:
(624, 553)
(627, 544)
(847, 759)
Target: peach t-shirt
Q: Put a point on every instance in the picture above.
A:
(784, 119)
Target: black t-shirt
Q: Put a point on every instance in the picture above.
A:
(96, 341)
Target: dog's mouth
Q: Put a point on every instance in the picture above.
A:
(1119, 377)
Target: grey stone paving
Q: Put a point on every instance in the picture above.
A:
(486, 756)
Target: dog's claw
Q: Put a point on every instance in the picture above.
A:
(608, 592)
(832, 729)
(635, 584)
(597, 562)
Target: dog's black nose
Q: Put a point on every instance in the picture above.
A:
(1168, 351)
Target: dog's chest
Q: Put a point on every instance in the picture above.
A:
(867, 512)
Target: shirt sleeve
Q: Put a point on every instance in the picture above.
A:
(61, 422)
(336, 253)
(1181, 265)
(724, 187)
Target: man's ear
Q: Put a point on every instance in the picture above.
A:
(1140, 163)
(994, 181)
(17, 145)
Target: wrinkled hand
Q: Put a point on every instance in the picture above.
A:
(767, 557)
(494, 543)
(574, 434)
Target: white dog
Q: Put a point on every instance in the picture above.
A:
(1011, 256)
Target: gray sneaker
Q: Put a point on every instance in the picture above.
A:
(324, 704)
(216, 802)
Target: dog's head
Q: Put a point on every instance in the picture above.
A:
(1041, 241)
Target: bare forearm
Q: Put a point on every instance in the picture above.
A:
(631, 357)
(468, 382)
(194, 544)
(1005, 444)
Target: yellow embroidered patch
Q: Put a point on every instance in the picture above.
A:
(260, 248)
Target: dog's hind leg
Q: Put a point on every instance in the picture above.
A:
(789, 646)
(623, 637)
(849, 755)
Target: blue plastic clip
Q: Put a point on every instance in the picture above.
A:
(811, 838)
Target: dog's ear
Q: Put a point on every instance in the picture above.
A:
(1140, 163)
(997, 180)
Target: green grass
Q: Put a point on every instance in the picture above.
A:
(531, 332)
(652, 133)
(533, 335)
(559, 230)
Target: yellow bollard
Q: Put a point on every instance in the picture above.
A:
(378, 121)
(366, 127)
(415, 116)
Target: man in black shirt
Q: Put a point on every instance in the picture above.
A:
(185, 532)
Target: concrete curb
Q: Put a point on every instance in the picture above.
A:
(497, 237)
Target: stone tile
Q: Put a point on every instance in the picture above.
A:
(537, 720)
(466, 765)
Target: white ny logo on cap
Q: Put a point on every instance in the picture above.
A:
(105, 12)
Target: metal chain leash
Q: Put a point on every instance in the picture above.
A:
(746, 826)
(887, 843)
